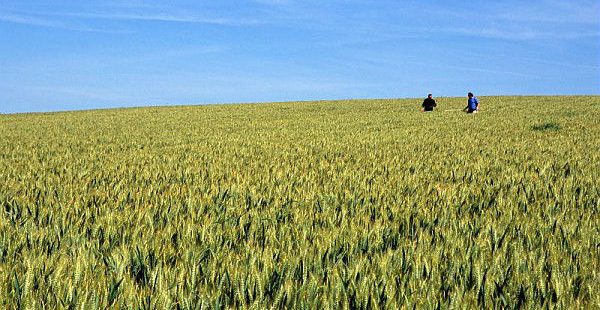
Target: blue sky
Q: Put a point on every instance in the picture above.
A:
(65, 55)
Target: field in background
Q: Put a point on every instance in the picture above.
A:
(366, 203)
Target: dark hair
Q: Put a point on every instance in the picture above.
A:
(470, 94)
(429, 95)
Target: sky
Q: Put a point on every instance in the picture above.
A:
(71, 55)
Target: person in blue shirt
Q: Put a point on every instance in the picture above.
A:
(472, 104)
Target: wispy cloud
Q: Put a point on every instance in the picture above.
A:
(518, 21)
(518, 34)
(27, 20)
(43, 22)
(114, 61)
(554, 11)
(523, 20)
(168, 17)
(34, 20)
(128, 11)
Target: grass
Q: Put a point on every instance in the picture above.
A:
(366, 203)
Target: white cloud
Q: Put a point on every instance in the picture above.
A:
(166, 17)
(44, 22)
(519, 34)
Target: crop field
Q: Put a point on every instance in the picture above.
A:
(332, 204)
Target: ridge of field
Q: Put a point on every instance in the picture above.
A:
(329, 204)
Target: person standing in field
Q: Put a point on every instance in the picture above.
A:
(428, 104)
(472, 104)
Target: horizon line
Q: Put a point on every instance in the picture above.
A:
(181, 105)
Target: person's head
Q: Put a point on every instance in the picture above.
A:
(470, 95)
(429, 96)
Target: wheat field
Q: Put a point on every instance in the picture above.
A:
(332, 204)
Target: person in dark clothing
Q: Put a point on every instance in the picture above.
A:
(428, 104)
